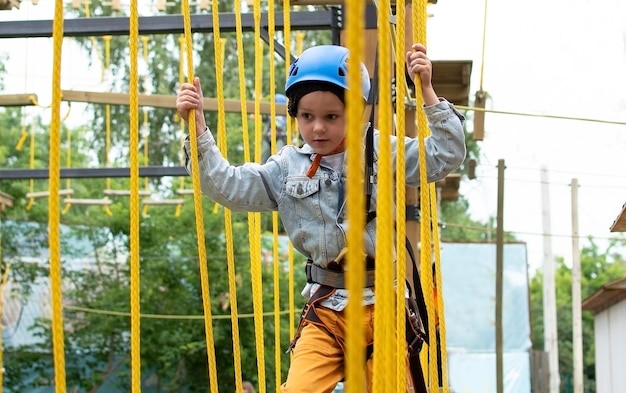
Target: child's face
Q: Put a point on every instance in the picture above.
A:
(321, 120)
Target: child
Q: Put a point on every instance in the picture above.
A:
(306, 186)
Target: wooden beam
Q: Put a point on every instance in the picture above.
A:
(18, 99)
(79, 201)
(165, 101)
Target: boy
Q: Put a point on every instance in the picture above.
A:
(306, 186)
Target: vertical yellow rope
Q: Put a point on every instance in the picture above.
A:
(228, 227)
(254, 219)
(289, 131)
(135, 332)
(197, 196)
(384, 322)
(272, 83)
(54, 217)
(400, 189)
(426, 191)
(355, 343)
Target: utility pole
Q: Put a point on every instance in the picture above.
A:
(577, 329)
(550, 343)
(499, 278)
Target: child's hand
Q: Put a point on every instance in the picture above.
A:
(419, 65)
(190, 97)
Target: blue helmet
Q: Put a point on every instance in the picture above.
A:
(324, 63)
(280, 98)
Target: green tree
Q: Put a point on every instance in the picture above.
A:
(598, 267)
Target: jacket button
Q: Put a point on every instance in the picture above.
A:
(328, 182)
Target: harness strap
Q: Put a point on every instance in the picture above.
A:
(308, 312)
(335, 279)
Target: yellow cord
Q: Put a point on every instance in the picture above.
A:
(54, 219)
(135, 272)
(197, 196)
(355, 343)
(254, 219)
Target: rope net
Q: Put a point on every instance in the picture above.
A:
(391, 41)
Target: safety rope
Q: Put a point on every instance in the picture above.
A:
(385, 349)
(427, 191)
(355, 343)
(197, 196)
(271, 19)
(289, 123)
(135, 283)
(400, 190)
(54, 217)
(254, 219)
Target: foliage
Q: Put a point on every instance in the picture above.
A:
(597, 269)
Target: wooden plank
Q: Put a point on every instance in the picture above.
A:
(163, 201)
(165, 101)
(109, 192)
(46, 194)
(18, 99)
(78, 201)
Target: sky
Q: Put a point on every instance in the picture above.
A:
(557, 58)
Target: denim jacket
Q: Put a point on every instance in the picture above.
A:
(313, 210)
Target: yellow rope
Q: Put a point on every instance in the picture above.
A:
(482, 58)
(135, 272)
(385, 350)
(400, 189)
(197, 196)
(254, 219)
(355, 343)
(289, 131)
(54, 218)
(228, 225)
(426, 192)
(277, 264)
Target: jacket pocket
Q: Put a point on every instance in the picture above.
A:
(304, 196)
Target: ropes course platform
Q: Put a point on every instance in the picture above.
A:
(165, 101)
(18, 99)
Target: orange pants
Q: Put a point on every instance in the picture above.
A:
(317, 364)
